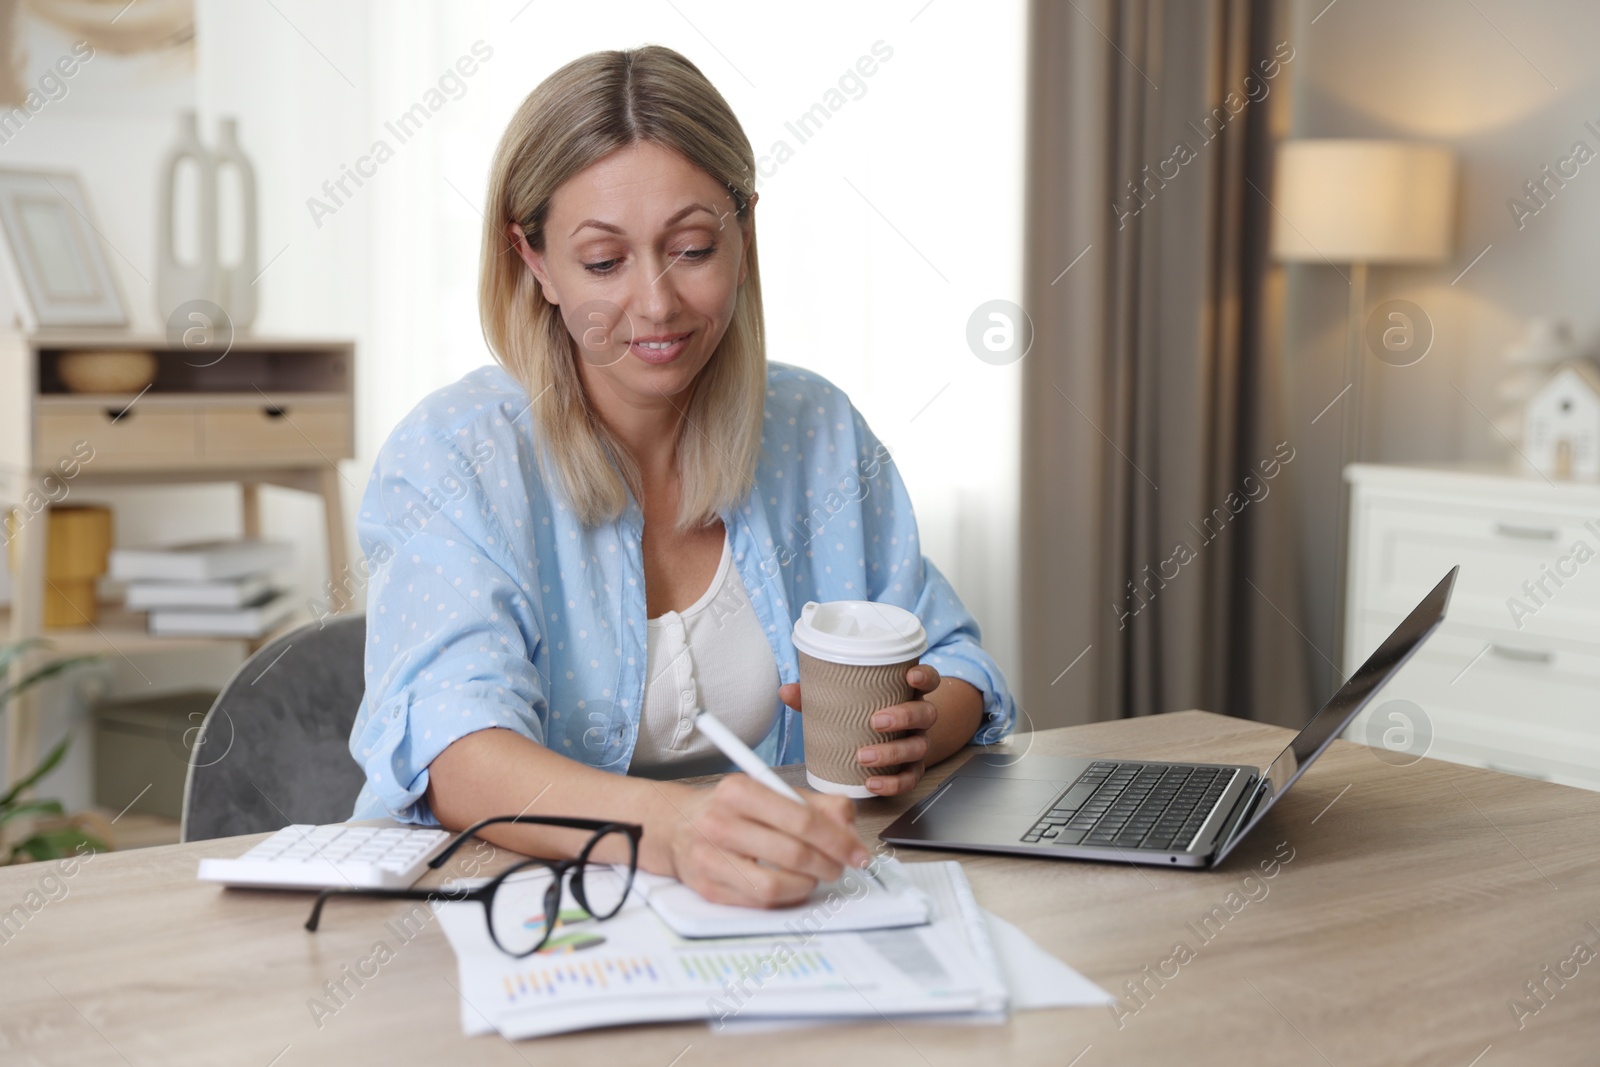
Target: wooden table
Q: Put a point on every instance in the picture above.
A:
(1410, 907)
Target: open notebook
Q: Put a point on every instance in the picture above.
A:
(855, 902)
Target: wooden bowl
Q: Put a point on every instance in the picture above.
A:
(110, 370)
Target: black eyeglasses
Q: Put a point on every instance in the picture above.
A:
(520, 920)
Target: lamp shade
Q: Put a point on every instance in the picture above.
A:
(1350, 201)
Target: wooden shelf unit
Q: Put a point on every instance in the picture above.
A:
(120, 632)
(263, 410)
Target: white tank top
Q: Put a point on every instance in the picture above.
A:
(712, 655)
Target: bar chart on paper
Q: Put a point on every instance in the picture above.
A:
(806, 968)
(566, 978)
(569, 978)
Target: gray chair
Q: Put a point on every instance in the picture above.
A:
(274, 749)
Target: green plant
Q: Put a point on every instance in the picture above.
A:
(58, 837)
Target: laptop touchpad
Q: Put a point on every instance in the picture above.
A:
(1018, 797)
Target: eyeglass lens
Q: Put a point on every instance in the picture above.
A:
(529, 901)
(597, 885)
(524, 907)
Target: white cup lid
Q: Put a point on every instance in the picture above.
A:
(859, 632)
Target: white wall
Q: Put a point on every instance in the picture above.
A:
(1510, 86)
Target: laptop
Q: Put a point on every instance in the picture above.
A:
(1142, 811)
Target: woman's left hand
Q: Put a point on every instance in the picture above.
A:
(914, 716)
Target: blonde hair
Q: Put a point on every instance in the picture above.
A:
(583, 112)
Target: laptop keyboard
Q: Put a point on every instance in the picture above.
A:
(1133, 805)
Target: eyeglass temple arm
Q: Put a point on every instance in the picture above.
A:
(532, 820)
(389, 894)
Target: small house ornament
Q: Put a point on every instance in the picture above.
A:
(1561, 424)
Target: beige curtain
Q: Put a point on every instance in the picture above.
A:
(1159, 567)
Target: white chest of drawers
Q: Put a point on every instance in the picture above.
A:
(1512, 679)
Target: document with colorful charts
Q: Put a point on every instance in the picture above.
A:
(632, 968)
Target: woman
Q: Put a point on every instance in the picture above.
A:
(617, 526)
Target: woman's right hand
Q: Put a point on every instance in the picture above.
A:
(739, 842)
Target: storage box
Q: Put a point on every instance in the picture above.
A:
(146, 743)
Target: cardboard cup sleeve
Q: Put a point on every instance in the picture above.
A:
(838, 703)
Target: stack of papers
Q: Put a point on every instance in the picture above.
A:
(805, 965)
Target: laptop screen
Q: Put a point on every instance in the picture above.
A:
(1343, 706)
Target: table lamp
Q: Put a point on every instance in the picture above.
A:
(1361, 202)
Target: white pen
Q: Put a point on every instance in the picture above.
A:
(753, 765)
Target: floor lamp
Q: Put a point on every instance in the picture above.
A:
(1360, 203)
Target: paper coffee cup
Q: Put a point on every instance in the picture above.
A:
(854, 655)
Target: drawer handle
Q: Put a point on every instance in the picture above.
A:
(117, 413)
(1522, 655)
(1526, 533)
(272, 411)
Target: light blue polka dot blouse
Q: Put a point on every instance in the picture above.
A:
(490, 605)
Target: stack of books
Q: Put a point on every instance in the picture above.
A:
(210, 588)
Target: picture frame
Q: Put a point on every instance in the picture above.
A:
(58, 270)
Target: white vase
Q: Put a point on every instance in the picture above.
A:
(178, 282)
(236, 281)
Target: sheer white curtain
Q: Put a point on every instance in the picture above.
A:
(883, 226)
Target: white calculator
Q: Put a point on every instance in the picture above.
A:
(331, 857)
